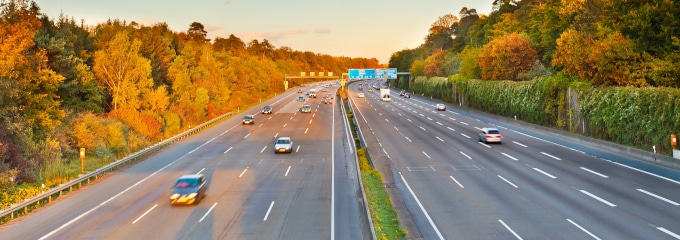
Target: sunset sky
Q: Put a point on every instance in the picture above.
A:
(353, 28)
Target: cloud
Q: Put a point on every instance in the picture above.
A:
(323, 30)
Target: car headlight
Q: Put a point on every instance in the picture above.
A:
(174, 196)
(193, 195)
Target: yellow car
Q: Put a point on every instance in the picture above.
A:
(370, 90)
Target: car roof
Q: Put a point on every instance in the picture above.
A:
(191, 176)
(489, 128)
(284, 138)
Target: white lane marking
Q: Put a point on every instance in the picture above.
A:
(510, 229)
(461, 152)
(442, 140)
(676, 236)
(452, 119)
(208, 212)
(428, 156)
(451, 129)
(306, 129)
(461, 185)
(428, 118)
(144, 214)
(465, 135)
(594, 172)
(553, 157)
(310, 121)
(287, 171)
(395, 128)
(643, 171)
(247, 135)
(268, 211)
(464, 123)
(544, 173)
(477, 128)
(199, 172)
(421, 115)
(507, 155)
(440, 124)
(277, 134)
(291, 118)
(285, 124)
(484, 144)
(228, 150)
(409, 120)
(519, 144)
(507, 181)
(110, 199)
(583, 229)
(598, 198)
(659, 197)
(265, 147)
(244, 171)
(297, 149)
(429, 219)
(387, 120)
(421, 127)
(409, 140)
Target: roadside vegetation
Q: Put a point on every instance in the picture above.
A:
(383, 215)
(607, 69)
(117, 87)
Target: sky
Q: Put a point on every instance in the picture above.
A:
(351, 28)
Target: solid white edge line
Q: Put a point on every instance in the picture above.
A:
(144, 214)
(659, 197)
(208, 212)
(598, 198)
(422, 208)
(510, 229)
(333, 174)
(643, 171)
(268, 211)
(583, 229)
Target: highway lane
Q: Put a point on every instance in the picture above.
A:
(528, 187)
(253, 193)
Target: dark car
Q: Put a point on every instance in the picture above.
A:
(301, 99)
(248, 119)
(189, 189)
(267, 110)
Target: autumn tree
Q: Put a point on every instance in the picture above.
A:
(434, 64)
(197, 33)
(124, 72)
(506, 57)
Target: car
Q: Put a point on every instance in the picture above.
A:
(401, 94)
(488, 135)
(327, 100)
(324, 90)
(361, 95)
(407, 95)
(441, 107)
(299, 90)
(267, 110)
(306, 109)
(370, 90)
(330, 95)
(248, 119)
(301, 99)
(189, 189)
(283, 144)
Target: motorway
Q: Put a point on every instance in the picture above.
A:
(448, 185)
(253, 193)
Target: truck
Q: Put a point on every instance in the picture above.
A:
(312, 93)
(385, 94)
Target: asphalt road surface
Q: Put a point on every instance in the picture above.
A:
(532, 186)
(253, 192)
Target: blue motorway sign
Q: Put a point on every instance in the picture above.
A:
(366, 73)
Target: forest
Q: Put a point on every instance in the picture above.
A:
(607, 69)
(118, 86)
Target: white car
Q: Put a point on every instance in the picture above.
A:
(361, 95)
(283, 144)
(488, 135)
(441, 107)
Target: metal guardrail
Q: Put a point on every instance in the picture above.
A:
(47, 197)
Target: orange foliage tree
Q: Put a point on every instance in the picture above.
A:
(505, 57)
(144, 124)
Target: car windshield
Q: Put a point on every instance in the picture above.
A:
(248, 117)
(283, 141)
(494, 132)
(186, 183)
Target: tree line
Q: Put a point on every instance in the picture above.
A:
(605, 42)
(118, 86)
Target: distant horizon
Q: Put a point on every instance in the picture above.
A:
(394, 26)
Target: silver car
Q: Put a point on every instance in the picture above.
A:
(283, 144)
(488, 135)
